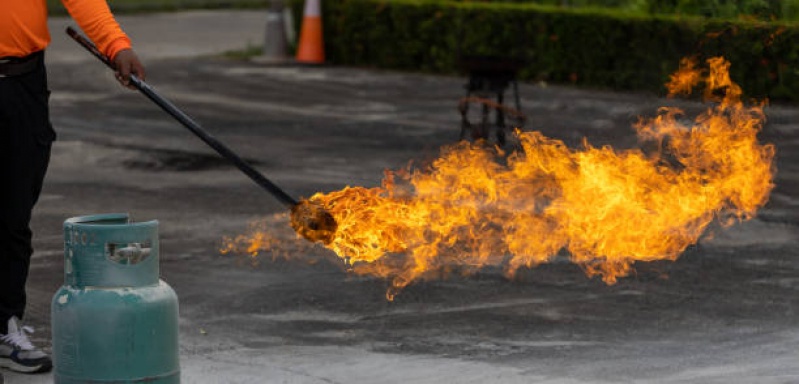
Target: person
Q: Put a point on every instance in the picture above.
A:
(25, 140)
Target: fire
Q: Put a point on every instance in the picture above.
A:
(476, 206)
(685, 79)
(269, 236)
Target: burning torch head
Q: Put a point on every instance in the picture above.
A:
(313, 222)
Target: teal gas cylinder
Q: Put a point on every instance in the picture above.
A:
(114, 320)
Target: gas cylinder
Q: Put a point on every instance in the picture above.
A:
(114, 320)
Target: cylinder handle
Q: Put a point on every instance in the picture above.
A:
(127, 254)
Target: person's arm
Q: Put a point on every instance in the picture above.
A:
(95, 19)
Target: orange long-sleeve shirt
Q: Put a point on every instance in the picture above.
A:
(23, 26)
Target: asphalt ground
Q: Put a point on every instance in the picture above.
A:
(725, 312)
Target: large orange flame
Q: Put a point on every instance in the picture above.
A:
(476, 206)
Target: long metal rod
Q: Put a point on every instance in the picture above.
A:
(189, 123)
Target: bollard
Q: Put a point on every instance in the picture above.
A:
(114, 320)
(275, 42)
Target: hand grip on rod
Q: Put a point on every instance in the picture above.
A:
(187, 121)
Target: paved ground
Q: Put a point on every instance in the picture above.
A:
(727, 313)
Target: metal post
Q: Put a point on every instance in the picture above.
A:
(275, 42)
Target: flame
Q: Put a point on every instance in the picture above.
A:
(270, 236)
(685, 79)
(476, 206)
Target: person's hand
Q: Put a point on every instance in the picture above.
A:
(128, 63)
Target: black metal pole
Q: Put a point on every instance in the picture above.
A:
(195, 128)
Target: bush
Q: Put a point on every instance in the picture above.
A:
(727, 9)
(596, 47)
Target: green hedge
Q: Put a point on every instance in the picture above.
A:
(594, 47)
(730, 9)
(763, 9)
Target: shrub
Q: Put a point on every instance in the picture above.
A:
(594, 47)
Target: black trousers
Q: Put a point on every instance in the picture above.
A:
(25, 140)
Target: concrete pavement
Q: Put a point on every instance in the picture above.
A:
(727, 313)
(170, 35)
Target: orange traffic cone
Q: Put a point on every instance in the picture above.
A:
(311, 49)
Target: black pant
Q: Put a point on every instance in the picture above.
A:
(25, 139)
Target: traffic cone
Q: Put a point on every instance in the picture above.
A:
(311, 49)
